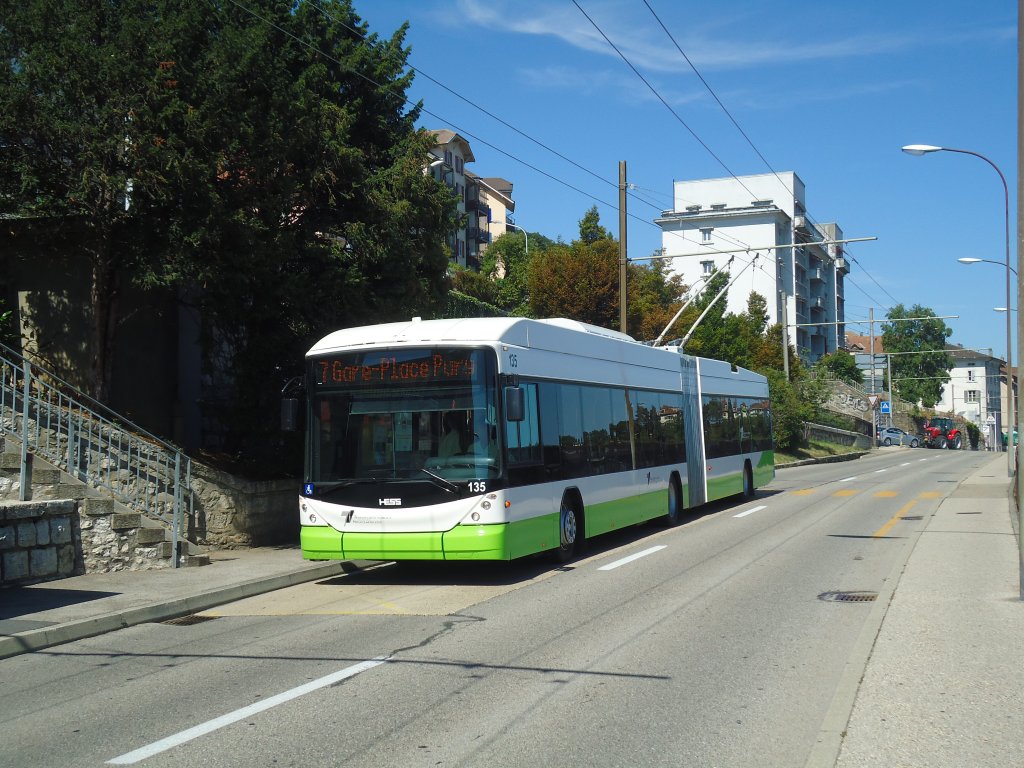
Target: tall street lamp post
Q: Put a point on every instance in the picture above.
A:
(924, 149)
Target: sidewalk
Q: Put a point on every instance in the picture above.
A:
(61, 611)
(944, 685)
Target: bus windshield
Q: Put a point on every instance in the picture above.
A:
(401, 414)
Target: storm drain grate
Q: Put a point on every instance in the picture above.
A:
(187, 621)
(848, 597)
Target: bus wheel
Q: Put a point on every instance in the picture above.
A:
(569, 529)
(675, 503)
(748, 481)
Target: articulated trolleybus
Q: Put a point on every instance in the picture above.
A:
(497, 438)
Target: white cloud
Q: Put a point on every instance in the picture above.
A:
(728, 42)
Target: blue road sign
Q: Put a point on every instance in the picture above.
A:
(885, 406)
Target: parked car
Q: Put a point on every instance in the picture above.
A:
(896, 436)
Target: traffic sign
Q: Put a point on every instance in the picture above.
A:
(886, 406)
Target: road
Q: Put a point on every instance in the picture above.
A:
(709, 644)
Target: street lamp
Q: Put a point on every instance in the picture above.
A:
(972, 260)
(924, 149)
(516, 226)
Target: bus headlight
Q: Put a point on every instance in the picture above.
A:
(485, 505)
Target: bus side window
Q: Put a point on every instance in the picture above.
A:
(523, 437)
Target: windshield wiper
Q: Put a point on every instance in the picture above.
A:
(441, 482)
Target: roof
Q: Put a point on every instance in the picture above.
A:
(855, 342)
(446, 136)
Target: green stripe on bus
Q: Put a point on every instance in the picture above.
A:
(480, 542)
(726, 485)
(610, 515)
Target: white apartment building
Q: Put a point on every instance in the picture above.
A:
(485, 204)
(450, 155)
(976, 389)
(713, 220)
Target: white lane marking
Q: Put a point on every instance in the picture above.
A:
(631, 558)
(878, 471)
(751, 511)
(240, 714)
(905, 464)
(848, 479)
(922, 459)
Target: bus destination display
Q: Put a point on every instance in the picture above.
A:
(435, 367)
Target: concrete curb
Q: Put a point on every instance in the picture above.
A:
(824, 460)
(45, 637)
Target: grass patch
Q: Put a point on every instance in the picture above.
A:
(815, 449)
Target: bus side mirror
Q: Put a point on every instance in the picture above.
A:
(515, 404)
(289, 414)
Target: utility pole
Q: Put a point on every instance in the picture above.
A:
(785, 335)
(622, 246)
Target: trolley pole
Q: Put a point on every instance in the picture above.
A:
(622, 246)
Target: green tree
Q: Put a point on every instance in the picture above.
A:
(917, 377)
(8, 335)
(201, 149)
(590, 227)
(653, 296)
(842, 366)
(506, 263)
(578, 281)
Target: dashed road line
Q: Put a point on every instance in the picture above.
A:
(751, 511)
(631, 558)
(240, 714)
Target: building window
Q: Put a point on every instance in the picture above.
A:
(458, 165)
(705, 234)
(970, 374)
(448, 157)
(971, 396)
(707, 267)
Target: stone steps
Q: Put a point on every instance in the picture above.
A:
(105, 534)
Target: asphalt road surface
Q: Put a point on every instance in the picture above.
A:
(723, 642)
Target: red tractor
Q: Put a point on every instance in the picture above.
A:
(941, 432)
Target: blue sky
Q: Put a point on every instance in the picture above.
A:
(830, 91)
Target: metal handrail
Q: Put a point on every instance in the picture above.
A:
(71, 430)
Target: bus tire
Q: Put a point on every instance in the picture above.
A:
(675, 503)
(748, 481)
(570, 528)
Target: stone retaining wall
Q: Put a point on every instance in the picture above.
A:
(37, 541)
(230, 512)
(54, 539)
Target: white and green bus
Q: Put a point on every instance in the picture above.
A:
(497, 438)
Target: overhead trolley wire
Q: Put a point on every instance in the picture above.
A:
(467, 133)
(747, 138)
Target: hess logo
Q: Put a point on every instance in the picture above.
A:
(389, 502)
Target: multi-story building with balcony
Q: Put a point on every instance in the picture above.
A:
(485, 204)
(800, 270)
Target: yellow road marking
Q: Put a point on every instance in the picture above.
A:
(849, 492)
(885, 494)
(930, 495)
(803, 492)
(895, 518)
